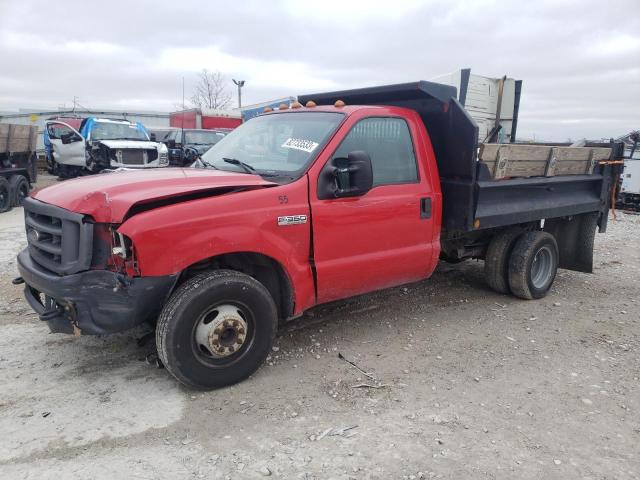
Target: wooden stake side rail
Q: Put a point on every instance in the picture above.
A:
(17, 138)
(509, 160)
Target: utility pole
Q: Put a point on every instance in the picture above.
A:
(240, 84)
(75, 100)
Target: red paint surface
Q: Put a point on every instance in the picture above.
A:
(211, 123)
(376, 240)
(186, 119)
(359, 244)
(71, 121)
(195, 119)
(107, 197)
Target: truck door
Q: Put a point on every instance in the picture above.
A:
(385, 237)
(68, 146)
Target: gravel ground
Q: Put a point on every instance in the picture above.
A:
(473, 385)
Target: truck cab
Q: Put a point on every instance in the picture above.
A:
(342, 194)
(102, 143)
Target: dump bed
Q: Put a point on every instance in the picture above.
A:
(492, 185)
(18, 150)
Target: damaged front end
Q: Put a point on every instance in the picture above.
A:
(112, 154)
(81, 277)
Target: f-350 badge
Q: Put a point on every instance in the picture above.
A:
(292, 220)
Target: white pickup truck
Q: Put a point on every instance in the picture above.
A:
(100, 144)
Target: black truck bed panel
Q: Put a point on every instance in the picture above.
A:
(521, 200)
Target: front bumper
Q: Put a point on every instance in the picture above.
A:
(94, 302)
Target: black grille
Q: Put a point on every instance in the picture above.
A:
(133, 157)
(59, 240)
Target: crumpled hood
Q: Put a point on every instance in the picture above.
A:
(107, 197)
(139, 144)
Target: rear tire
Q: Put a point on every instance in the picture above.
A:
(5, 195)
(19, 186)
(496, 261)
(533, 265)
(218, 311)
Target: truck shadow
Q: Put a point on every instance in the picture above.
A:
(450, 284)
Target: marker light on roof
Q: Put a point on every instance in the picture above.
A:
(296, 105)
(283, 106)
(338, 104)
(268, 109)
(310, 104)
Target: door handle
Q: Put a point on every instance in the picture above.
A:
(425, 207)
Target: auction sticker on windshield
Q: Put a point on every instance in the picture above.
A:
(300, 144)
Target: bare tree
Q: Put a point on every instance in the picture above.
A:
(211, 91)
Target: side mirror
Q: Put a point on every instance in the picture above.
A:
(346, 177)
(171, 143)
(152, 137)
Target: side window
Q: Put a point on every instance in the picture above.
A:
(388, 142)
(57, 130)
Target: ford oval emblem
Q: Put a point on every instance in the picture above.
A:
(33, 235)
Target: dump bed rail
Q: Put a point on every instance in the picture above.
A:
(511, 160)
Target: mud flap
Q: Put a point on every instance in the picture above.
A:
(575, 236)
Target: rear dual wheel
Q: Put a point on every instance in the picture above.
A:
(5, 195)
(19, 189)
(524, 264)
(533, 265)
(496, 262)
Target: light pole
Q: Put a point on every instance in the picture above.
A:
(240, 84)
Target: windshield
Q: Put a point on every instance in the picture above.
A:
(117, 131)
(202, 138)
(276, 144)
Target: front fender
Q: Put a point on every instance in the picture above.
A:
(170, 238)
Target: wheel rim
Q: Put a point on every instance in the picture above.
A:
(222, 334)
(542, 267)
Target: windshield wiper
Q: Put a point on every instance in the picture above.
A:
(245, 166)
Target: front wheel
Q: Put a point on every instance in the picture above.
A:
(533, 265)
(216, 329)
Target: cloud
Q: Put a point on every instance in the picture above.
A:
(579, 62)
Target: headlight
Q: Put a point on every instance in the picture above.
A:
(164, 157)
(123, 255)
(121, 245)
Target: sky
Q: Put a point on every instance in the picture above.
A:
(579, 60)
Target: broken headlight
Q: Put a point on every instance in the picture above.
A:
(120, 245)
(163, 156)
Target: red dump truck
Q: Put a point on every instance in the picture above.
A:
(353, 192)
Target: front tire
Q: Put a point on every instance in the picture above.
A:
(533, 265)
(216, 329)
